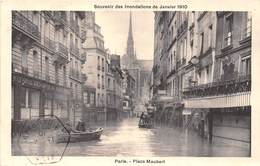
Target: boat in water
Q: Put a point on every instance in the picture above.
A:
(146, 121)
(79, 136)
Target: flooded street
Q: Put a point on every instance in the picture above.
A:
(125, 138)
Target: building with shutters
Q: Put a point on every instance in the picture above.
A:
(202, 73)
(46, 46)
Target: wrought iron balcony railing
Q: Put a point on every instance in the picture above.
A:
(25, 26)
(75, 74)
(61, 50)
(239, 84)
(83, 36)
(24, 70)
(74, 26)
(83, 57)
(36, 74)
(60, 18)
(74, 50)
(50, 44)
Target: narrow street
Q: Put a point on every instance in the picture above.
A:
(126, 139)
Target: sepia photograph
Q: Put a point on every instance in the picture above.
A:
(131, 83)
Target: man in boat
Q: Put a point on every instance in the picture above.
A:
(81, 126)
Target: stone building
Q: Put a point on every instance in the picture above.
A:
(95, 66)
(114, 88)
(213, 71)
(41, 60)
(128, 88)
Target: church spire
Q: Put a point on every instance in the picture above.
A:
(130, 32)
(130, 42)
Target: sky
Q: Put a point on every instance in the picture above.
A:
(114, 28)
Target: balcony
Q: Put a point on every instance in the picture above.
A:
(24, 70)
(178, 64)
(182, 28)
(222, 94)
(173, 71)
(83, 57)
(239, 84)
(183, 61)
(75, 74)
(50, 44)
(74, 50)
(24, 25)
(83, 36)
(36, 74)
(74, 26)
(60, 19)
(61, 53)
(47, 77)
(84, 77)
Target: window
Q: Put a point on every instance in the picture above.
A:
(71, 40)
(76, 43)
(108, 83)
(201, 43)
(246, 65)
(47, 69)
(210, 36)
(76, 91)
(98, 61)
(46, 29)
(228, 30)
(35, 64)
(56, 74)
(64, 76)
(98, 99)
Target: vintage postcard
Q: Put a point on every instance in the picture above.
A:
(129, 83)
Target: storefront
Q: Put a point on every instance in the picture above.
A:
(33, 98)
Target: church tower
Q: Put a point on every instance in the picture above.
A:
(130, 56)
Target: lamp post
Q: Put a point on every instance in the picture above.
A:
(194, 61)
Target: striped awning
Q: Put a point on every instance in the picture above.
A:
(222, 101)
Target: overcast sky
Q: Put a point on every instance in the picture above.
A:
(115, 25)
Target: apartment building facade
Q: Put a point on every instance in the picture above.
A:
(95, 66)
(212, 69)
(40, 65)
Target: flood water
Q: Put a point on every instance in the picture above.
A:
(125, 138)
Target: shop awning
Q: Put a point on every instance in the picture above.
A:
(223, 101)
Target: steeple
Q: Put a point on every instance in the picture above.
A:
(130, 43)
(130, 32)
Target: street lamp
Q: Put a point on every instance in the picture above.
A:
(194, 60)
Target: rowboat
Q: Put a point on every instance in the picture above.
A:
(148, 125)
(91, 134)
(145, 123)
